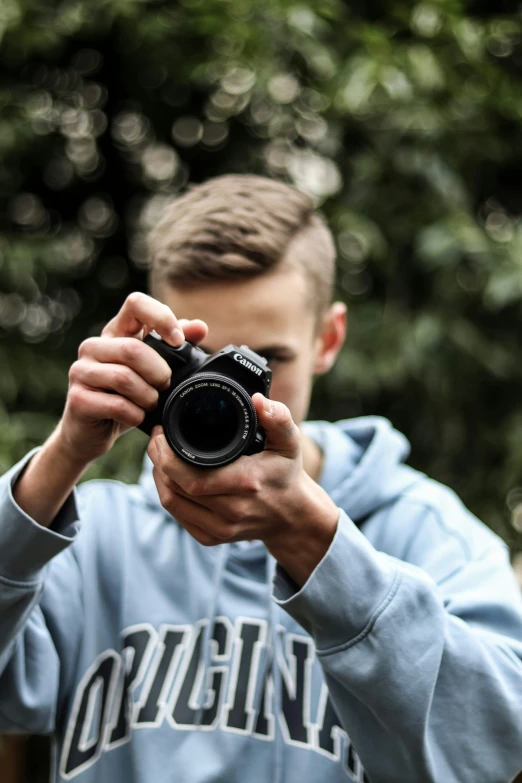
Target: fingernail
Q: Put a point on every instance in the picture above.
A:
(164, 386)
(268, 406)
(177, 337)
(156, 430)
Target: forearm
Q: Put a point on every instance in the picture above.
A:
(47, 481)
(306, 540)
(437, 705)
(422, 694)
(29, 663)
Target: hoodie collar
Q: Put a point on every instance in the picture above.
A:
(379, 475)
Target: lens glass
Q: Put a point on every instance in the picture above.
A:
(208, 420)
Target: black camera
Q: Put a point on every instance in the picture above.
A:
(207, 413)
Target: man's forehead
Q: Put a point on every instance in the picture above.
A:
(270, 311)
(260, 341)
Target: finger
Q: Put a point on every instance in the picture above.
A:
(239, 477)
(200, 535)
(88, 404)
(202, 523)
(157, 458)
(282, 434)
(140, 312)
(115, 377)
(195, 331)
(127, 351)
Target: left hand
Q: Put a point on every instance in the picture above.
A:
(266, 496)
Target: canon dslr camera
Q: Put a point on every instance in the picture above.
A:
(207, 413)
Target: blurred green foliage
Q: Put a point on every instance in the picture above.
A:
(401, 119)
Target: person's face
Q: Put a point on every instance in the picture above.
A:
(270, 314)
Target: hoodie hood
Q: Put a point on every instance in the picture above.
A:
(362, 469)
(363, 466)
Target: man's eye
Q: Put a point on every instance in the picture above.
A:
(275, 360)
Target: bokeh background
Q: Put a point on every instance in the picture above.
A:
(401, 119)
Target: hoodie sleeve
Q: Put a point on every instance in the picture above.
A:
(423, 660)
(30, 676)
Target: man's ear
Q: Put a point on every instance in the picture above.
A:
(330, 339)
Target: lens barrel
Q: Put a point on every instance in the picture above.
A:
(209, 420)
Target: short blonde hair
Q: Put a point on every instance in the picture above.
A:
(241, 226)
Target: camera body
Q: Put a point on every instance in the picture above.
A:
(207, 412)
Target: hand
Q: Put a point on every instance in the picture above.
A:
(266, 496)
(119, 361)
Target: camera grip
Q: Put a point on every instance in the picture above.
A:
(180, 361)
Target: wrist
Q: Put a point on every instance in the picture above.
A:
(64, 452)
(302, 543)
(47, 480)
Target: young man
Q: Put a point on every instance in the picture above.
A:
(315, 612)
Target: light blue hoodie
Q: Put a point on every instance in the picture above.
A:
(153, 659)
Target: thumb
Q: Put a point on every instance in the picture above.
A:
(282, 434)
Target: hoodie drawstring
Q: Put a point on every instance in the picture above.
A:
(208, 629)
(268, 663)
(273, 666)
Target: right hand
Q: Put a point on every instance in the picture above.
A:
(119, 361)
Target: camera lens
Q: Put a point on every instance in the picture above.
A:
(209, 420)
